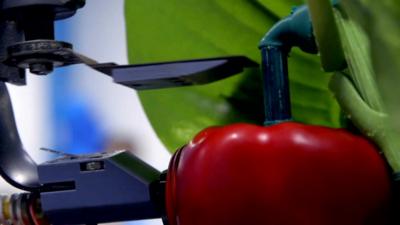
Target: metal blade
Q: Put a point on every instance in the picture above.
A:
(175, 74)
(42, 56)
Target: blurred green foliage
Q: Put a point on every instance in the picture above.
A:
(379, 24)
(160, 30)
(380, 21)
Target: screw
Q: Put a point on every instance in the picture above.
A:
(90, 166)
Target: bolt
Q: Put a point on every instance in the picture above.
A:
(90, 166)
(41, 68)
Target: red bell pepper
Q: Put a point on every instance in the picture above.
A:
(285, 174)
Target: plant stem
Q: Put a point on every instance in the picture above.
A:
(358, 94)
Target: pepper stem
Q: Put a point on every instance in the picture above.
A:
(294, 30)
(276, 85)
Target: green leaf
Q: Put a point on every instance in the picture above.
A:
(326, 35)
(174, 30)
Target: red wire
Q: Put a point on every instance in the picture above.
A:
(32, 212)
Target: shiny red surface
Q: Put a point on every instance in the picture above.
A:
(287, 174)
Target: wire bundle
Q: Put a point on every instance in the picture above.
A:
(21, 209)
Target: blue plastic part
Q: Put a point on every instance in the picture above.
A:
(99, 188)
(293, 31)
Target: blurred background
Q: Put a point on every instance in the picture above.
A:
(78, 110)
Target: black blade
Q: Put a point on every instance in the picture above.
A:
(175, 74)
